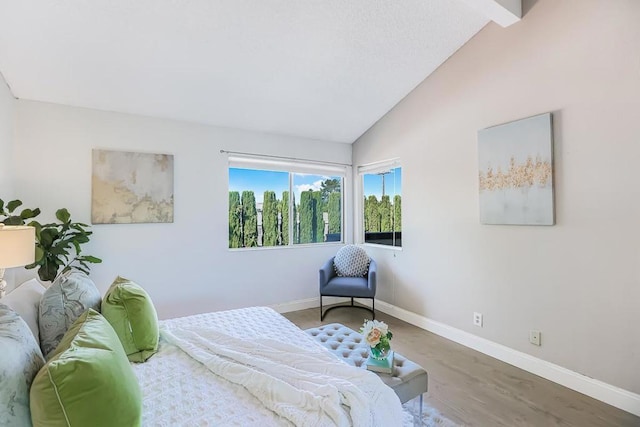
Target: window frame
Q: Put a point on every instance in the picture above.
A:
(293, 167)
(368, 169)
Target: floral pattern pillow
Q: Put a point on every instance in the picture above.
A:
(68, 298)
(20, 361)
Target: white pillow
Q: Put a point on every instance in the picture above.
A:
(351, 261)
(25, 300)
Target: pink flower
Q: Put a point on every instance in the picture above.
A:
(374, 332)
(373, 338)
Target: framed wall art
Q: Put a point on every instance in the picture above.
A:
(516, 172)
(131, 187)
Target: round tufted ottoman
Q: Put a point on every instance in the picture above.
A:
(408, 380)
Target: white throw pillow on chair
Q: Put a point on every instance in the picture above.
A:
(351, 261)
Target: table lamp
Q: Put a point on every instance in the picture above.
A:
(17, 249)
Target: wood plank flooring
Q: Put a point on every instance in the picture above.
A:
(473, 389)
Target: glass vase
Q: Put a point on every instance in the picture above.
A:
(380, 352)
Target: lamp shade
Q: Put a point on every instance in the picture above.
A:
(17, 245)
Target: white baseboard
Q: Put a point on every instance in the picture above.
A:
(612, 395)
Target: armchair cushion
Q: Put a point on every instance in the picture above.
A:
(357, 287)
(351, 261)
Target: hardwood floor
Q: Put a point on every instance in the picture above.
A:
(473, 389)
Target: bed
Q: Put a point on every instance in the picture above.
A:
(253, 367)
(178, 389)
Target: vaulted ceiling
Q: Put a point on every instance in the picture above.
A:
(325, 69)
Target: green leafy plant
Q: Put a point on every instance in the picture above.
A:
(58, 247)
(249, 219)
(269, 219)
(11, 217)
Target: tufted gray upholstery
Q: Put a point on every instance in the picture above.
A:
(408, 379)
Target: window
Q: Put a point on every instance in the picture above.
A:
(282, 203)
(382, 203)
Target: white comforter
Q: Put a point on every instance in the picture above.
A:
(181, 391)
(307, 387)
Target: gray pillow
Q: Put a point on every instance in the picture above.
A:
(351, 261)
(69, 296)
(20, 361)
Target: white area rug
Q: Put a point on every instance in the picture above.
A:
(430, 416)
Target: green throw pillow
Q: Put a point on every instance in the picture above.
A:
(88, 381)
(131, 313)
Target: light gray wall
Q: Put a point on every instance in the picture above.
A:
(578, 281)
(186, 266)
(7, 107)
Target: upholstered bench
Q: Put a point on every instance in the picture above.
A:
(408, 380)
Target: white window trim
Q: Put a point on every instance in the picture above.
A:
(286, 165)
(381, 166)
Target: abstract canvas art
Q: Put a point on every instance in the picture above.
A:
(516, 172)
(131, 187)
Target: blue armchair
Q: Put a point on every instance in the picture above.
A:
(332, 285)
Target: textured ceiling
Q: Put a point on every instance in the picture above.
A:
(319, 69)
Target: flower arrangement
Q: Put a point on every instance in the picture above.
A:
(378, 336)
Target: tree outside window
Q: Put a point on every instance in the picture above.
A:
(279, 208)
(382, 207)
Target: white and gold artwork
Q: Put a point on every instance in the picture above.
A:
(516, 172)
(131, 187)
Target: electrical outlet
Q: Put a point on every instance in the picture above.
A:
(477, 319)
(535, 337)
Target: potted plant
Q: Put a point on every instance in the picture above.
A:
(11, 217)
(59, 247)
